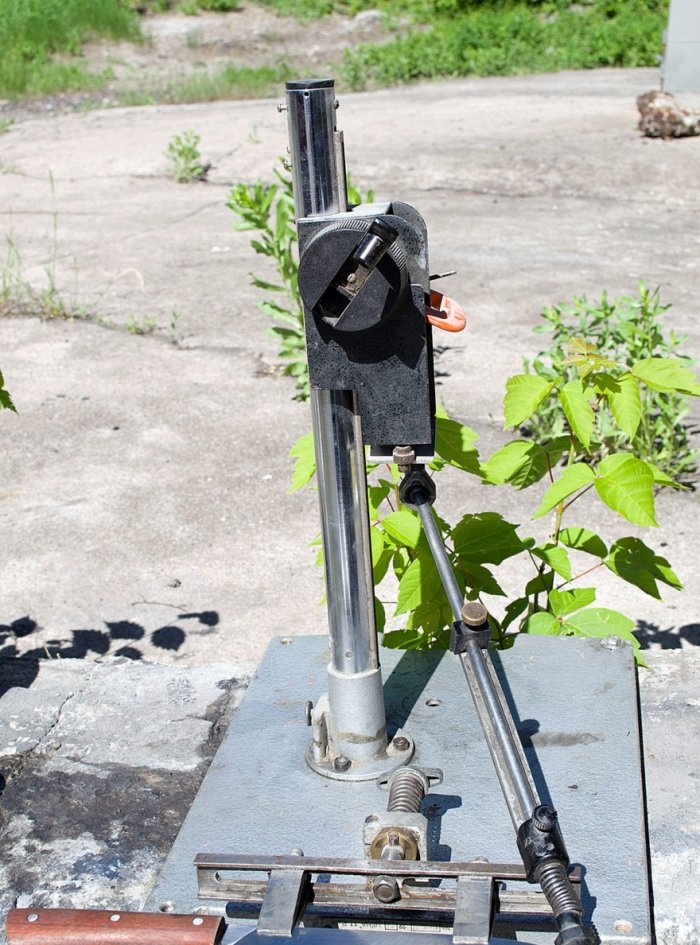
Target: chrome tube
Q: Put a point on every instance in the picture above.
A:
(496, 721)
(318, 177)
(342, 493)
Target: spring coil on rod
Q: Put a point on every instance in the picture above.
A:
(557, 888)
(406, 791)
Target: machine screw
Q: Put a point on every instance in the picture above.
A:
(281, 107)
(341, 763)
(386, 889)
(401, 743)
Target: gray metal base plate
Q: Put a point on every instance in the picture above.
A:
(575, 706)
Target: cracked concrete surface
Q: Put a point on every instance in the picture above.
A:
(94, 791)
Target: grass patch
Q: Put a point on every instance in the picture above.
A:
(33, 31)
(507, 38)
(210, 86)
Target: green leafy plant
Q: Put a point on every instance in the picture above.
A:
(6, 402)
(268, 211)
(625, 330)
(185, 158)
(511, 37)
(594, 396)
(551, 600)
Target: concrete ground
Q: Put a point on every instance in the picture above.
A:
(143, 484)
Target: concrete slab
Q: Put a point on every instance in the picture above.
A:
(143, 486)
(99, 763)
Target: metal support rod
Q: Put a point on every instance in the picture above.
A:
(501, 737)
(342, 493)
(318, 177)
(455, 597)
(504, 745)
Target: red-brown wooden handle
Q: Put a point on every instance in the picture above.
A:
(110, 927)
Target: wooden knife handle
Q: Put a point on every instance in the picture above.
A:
(110, 927)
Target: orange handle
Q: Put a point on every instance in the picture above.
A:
(104, 927)
(443, 312)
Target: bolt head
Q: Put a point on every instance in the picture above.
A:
(401, 743)
(386, 889)
(544, 818)
(341, 763)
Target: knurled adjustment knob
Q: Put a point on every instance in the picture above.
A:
(474, 614)
(544, 818)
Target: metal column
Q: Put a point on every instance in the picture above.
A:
(349, 729)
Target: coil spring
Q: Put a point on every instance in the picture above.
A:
(406, 792)
(558, 889)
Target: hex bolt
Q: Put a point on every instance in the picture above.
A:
(341, 763)
(386, 889)
(401, 743)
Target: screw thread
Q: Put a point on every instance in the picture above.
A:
(406, 792)
(557, 888)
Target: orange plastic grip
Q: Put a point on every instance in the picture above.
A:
(443, 312)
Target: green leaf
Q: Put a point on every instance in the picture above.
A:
(409, 639)
(455, 444)
(626, 485)
(556, 557)
(486, 538)
(519, 462)
(266, 286)
(566, 602)
(626, 404)
(542, 624)
(305, 465)
(663, 479)
(478, 578)
(572, 479)
(376, 539)
(513, 611)
(633, 561)
(601, 622)
(419, 583)
(666, 374)
(584, 540)
(428, 616)
(379, 615)
(540, 584)
(578, 411)
(404, 526)
(376, 494)
(524, 394)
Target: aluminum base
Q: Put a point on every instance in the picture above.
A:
(575, 706)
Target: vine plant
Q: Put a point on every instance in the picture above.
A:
(589, 392)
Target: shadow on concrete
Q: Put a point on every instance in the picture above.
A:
(670, 638)
(120, 638)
